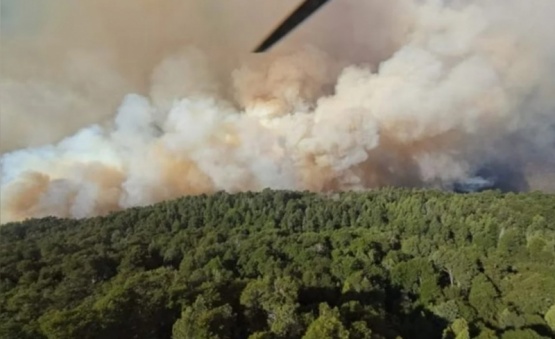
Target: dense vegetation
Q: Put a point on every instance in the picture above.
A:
(381, 264)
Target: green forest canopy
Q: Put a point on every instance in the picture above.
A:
(390, 263)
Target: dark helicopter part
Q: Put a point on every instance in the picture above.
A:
(306, 9)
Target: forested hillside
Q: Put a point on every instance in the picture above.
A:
(389, 263)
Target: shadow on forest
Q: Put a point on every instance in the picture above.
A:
(416, 323)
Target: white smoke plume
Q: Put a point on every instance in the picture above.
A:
(365, 94)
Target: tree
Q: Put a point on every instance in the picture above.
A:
(202, 320)
(483, 297)
(327, 325)
(459, 264)
(277, 298)
(550, 317)
(457, 330)
(76, 323)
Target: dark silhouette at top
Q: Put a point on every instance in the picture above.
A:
(306, 9)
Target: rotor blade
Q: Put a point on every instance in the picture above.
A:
(306, 9)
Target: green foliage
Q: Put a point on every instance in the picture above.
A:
(74, 323)
(327, 325)
(483, 297)
(276, 264)
(458, 330)
(550, 317)
(277, 298)
(522, 334)
(202, 320)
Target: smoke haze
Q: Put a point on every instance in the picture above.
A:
(107, 105)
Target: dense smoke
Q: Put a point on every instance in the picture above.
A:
(366, 94)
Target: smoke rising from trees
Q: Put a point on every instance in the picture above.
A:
(110, 105)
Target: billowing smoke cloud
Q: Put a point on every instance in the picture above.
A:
(366, 94)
